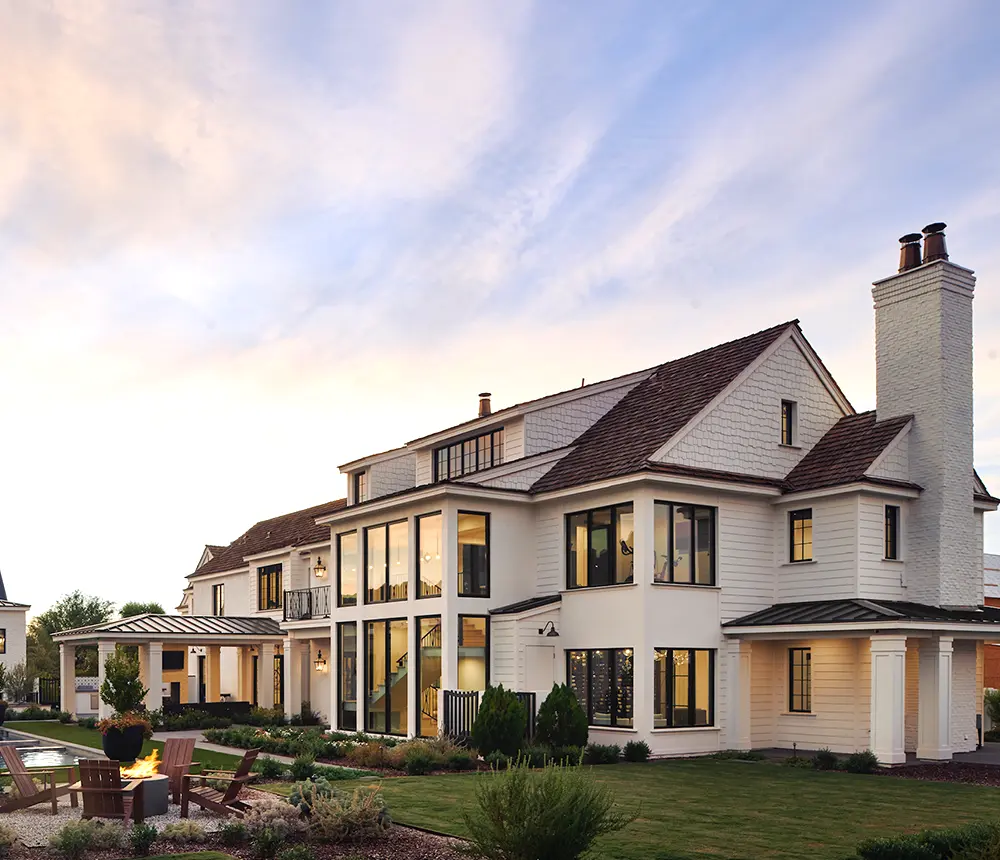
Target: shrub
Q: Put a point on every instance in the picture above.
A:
(372, 754)
(7, 839)
(992, 736)
(636, 751)
(460, 760)
(602, 754)
(336, 773)
(234, 833)
(420, 760)
(555, 813)
(183, 832)
(501, 722)
(991, 704)
(33, 712)
(105, 836)
(738, 755)
(797, 761)
(126, 720)
(306, 716)
(263, 717)
(265, 842)
(140, 837)
(72, 839)
(864, 761)
(271, 813)
(269, 768)
(87, 722)
(122, 689)
(561, 721)
(343, 817)
(825, 760)
(497, 760)
(303, 767)
(19, 683)
(567, 755)
(304, 794)
(980, 841)
(536, 756)
(297, 852)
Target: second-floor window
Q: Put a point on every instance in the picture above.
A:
(800, 535)
(787, 422)
(469, 455)
(347, 569)
(218, 599)
(473, 554)
(387, 562)
(599, 547)
(269, 587)
(360, 487)
(892, 532)
(683, 543)
(429, 555)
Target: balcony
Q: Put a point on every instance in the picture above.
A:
(307, 603)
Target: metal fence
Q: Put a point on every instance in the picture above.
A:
(47, 694)
(307, 603)
(460, 710)
(528, 700)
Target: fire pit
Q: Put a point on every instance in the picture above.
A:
(154, 789)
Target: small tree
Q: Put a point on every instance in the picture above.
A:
(992, 705)
(122, 689)
(136, 607)
(19, 684)
(501, 722)
(3, 680)
(561, 720)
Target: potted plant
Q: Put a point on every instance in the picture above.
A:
(124, 732)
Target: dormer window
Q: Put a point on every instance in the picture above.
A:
(788, 420)
(360, 487)
(469, 455)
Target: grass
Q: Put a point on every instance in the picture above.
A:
(80, 736)
(727, 809)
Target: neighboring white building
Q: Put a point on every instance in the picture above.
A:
(13, 629)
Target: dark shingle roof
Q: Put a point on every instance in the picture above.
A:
(525, 605)
(861, 611)
(193, 625)
(295, 529)
(623, 439)
(845, 453)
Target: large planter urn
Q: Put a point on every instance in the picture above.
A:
(123, 744)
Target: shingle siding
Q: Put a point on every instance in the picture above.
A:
(894, 463)
(391, 476)
(560, 425)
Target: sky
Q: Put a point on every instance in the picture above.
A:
(243, 243)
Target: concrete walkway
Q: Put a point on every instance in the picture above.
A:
(202, 744)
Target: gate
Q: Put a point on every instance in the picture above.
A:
(460, 710)
(528, 700)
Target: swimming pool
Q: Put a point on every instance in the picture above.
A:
(44, 757)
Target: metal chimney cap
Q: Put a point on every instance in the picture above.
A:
(909, 238)
(484, 394)
(936, 227)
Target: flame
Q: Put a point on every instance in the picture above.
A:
(143, 768)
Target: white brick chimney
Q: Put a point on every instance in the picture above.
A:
(923, 360)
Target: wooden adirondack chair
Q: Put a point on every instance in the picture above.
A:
(224, 802)
(178, 755)
(104, 793)
(28, 793)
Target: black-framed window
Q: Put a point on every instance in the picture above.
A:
(360, 487)
(599, 547)
(218, 599)
(387, 562)
(3, 640)
(430, 573)
(684, 543)
(683, 687)
(787, 422)
(279, 680)
(473, 652)
(473, 554)
(428, 634)
(173, 661)
(347, 676)
(800, 680)
(602, 680)
(469, 455)
(892, 532)
(800, 535)
(269, 587)
(386, 658)
(347, 569)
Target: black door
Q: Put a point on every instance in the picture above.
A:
(201, 678)
(175, 692)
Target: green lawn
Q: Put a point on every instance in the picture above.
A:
(728, 809)
(92, 738)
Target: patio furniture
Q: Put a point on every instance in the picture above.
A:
(104, 793)
(224, 802)
(28, 793)
(178, 759)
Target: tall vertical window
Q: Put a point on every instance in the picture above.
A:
(387, 562)
(347, 676)
(429, 555)
(3, 640)
(347, 569)
(683, 543)
(218, 599)
(602, 681)
(269, 587)
(278, 672)
(683, 688)
(469, 455)
(599, 547)
(473, 652)
(360, 487)
(787, 422)
(473, 554)
(892, 532)
(385, 677)
(428, 674)
(800, 535)
(800, 680)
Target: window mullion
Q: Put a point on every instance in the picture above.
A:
(670, 543)
(692, 673)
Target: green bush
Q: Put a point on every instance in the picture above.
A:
(497, 760)
(980, 841)
(140, 837)
(636, 751)
(555, 813)
(825, 759)
(266, 842)
(304, 794)
(602, 754)
(263, 717)
(992, 736)
(272, 813)
(87, 722)
(420, 761)
(297, 852)
(991, 704)
(500, 723)
(8, 836)
(864, 761)
(269, 768)
(561, 721)
(460, 760)
(337, 773)
(122, 689)
(355, 817)
(72, 839)
(105, 835)
(303, 767)
(798, 761)
(567, 755)
(371, 754)
(184, 832)
(536, 756)
(738, 755)
(33, 712)
(234, 834)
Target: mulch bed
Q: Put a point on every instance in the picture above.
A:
(948, 771)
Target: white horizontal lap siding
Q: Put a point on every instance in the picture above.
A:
(513, 440)
(833, 572)
(392, 476)
(879, 578)
(764, 701)
(548, 537)
(14, 625)
(963, 696)
(504, 648)
(745, 556)
(743, 433)
(424, 469)
(559, 425)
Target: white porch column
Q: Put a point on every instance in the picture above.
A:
(293, 677)
(104, 650)
(888, 700)
(934, 711)
(154, 675)
(67, 677)
(265, 675)
(213, 669)
(739, 675)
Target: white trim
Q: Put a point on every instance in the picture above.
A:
(430, 492)
(659, 479)
(244, 569)
(862, 486)
(526, 613)
(365, 462)
(984, 630)
(286, 550)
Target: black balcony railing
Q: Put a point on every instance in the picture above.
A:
(307, 603)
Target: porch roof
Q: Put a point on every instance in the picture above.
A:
(228, 630)
(526, 605)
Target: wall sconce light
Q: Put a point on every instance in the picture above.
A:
(194, 651)
(320, 568)
(320, 661)
(550, 627)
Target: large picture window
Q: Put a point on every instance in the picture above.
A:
(347, 676)
(800, 680)
(347, 569)
(683, 688)
(599, 547)
(428, 673)
(602, 681)
(473, 652)
(429, 555)
(385, 677)
(469, 455)
(269, 587)
(387, 562)
(473, 554)
(683, 543)
(800, 535)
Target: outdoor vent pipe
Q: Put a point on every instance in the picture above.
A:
(484, 404)
(934, 247)
(909, 251)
